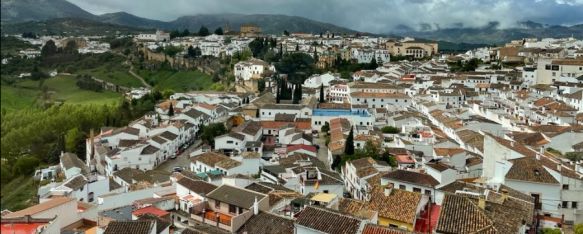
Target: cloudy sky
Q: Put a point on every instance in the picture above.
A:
(376, 16)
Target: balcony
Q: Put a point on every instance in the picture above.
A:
(213, 218)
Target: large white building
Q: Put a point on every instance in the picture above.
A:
(251, 69)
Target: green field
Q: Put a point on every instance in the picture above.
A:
(18, 193)
(179, 81)
(116, 74)
(61, 89)
(17, 98)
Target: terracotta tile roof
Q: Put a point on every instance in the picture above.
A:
(235, 196)
(76, 182)
(327, 221)
(517, 147)
(532, 139)
(377, 229)
(134, 227)
(379, 95)
(356, 208)
(150, 210)
(412, 177)
(531, 170)
(70, 160)
(310, 148)
(400, 205)
(460, 215)
(439, 166)
(448, 152)
(267, 223)
(212, 159)
(58, 201)
(197, 186)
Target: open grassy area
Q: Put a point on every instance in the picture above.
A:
(17, 98)
(179, 81)
(63, 89)
(117, 74)
(18, 193)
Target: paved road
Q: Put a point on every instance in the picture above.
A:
(323, 151)
(182, 160)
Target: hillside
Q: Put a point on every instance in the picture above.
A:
(269, 23)
(15, 11)
(490, 35)
(70, 26)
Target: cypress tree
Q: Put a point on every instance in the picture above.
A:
(171, 110)
(349, 145)
(322, 93)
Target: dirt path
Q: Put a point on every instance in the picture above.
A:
(131, 71)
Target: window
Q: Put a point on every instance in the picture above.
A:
(548, 67)
(428, 192)
(565, 205)
(574, 205)
(229, 142)
(393, 226)
(402, 187)
(232, 209)
(565, 187)
(217, 204)
(417, 190)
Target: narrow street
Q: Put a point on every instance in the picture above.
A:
(182, 160)
(323, 151)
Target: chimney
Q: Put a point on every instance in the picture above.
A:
(542, 150)
(559, 165)
(388, 189)
(537, 156)
(482, 202)
(512, 143)
(504, 193)
(255, 207)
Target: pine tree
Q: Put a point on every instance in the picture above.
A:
(349, 145)
(171, 110)
(297, 47)
(322, 94)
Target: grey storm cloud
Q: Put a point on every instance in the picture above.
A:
(376, 16)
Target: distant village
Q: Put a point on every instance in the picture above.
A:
(411, 146)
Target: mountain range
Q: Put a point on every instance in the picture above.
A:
(16, 13)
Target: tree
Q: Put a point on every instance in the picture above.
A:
(297, 94)
(286, 33)
(297, 66)
(373, 64)
(297, 47)
(72, 138)
(578, 228)
(370, 149)
(49, 49)
(219, 31)
(390, 130)
(322, 100)
(389, 158)
(203, 31)
(25, 165)
(325, 128)
(174, 34)
(261, 85)
(336, 162)
(185, 33)
(171, 110)
(70, 47)
(349, 144)
(171, 50)
(211, 131)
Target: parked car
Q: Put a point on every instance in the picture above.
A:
(177, 169)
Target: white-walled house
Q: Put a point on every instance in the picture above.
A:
(252, 69)
(72, 166)
(192, 192)
(411, 181)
